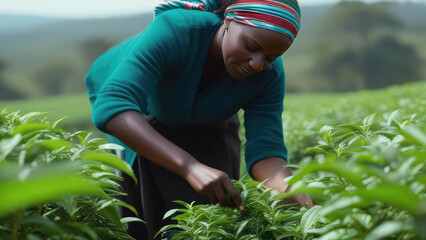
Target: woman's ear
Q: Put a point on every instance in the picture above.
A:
(226, 23)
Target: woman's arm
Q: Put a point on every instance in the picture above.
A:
(133, 129)
(274, 169)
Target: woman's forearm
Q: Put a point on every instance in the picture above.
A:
(133, 129)
(273, 169)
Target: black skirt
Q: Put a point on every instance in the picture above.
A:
(217, 146)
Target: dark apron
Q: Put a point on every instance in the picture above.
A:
(217, 146)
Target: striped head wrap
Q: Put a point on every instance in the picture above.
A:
(282, 16)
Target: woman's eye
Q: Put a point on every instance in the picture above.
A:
(249, 48)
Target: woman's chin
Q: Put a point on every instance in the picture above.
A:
(234, 72)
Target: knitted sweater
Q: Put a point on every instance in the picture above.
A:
(157, 73)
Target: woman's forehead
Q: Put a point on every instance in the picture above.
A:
(268, 40)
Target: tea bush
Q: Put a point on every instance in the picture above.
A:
(57, 185)
(368, 177)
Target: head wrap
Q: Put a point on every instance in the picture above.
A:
(282, 16)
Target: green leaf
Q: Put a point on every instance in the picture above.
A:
(128, 206)
(58, 121)
(170, 213)
(222, 233)
(110, 160)
(81, 227)
(30, 116)
(31, 127)
(351, 127)
(327, 228)
(97, 175)
(8, 144)
(314, 150)
(343, 170)
(111, 146)
(35, 219)
(339, 203)
(241, 227)
(414, 135)
(131, 219)
(390, 194)
(392, 117)
(387, 229)
(310, 218)
(16, 194)
(54, 144)
(340, 234)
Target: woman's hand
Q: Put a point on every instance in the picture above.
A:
(301, 199)
(214, 184)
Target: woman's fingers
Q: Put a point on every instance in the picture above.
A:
(221, 197)
(234, 195)
(212, 197)
(214, 184)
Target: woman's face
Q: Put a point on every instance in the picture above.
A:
(247, 50)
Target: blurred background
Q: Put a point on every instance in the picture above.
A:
(46, 48)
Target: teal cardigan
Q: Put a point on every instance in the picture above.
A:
(157, 73)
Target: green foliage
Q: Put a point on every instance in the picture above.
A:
(76, 107)
(57, 185)
(368, 177)
(306, 114)
(262, 218)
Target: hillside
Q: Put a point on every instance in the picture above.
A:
(10, 23)
(34, 47)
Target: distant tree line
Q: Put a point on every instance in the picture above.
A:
(7, 92)
(62, 76)
(360, 49)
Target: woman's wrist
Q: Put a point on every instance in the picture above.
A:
(274, 171)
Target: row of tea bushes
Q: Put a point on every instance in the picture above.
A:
(305, 114)
(367, 178)
(57, 185)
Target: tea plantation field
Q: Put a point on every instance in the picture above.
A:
(361, 156)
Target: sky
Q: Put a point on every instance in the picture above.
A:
(104, 8)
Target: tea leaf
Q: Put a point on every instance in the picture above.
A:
(7, 145)
(387, 229)
(310, 218)
(30, 127)
(131, 219)
(40, 190)
(110, 160)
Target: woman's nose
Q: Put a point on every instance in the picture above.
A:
(256, 62)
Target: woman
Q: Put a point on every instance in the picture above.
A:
(170, 96)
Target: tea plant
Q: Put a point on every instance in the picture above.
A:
(262, 218)
(57, 185)
(305, 114)
(369, 180)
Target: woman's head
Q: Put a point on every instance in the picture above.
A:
(256, 32)
(281, 16)
(246, 50)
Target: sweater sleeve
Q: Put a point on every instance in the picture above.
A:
(137, 73)
(263, 120)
